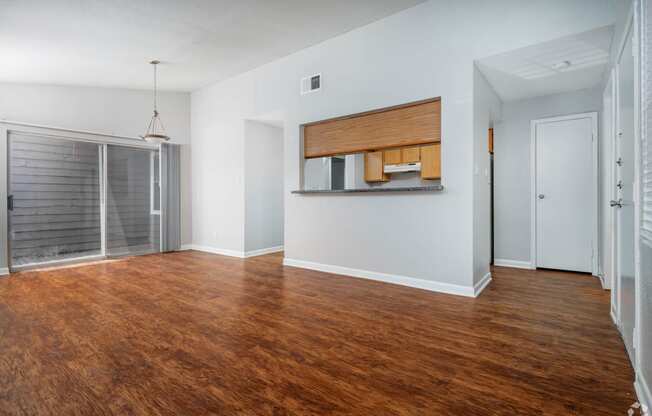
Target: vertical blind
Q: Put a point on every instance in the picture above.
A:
(646, 121)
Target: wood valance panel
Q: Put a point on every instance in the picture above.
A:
(404, 125)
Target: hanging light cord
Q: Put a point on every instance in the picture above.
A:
(155, 87)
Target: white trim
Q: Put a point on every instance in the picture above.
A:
(603, 282)
(433, 286)
(185, 247)
(263, 251)
(517, 264)
(608, 137)
(533, 183)
(214, 250)
(643, 392)
(615, 319)
(152, 183)
(611, 177)
(72, 134)
(232, 253)
(103, 193)
(481, 285)
(4, 271)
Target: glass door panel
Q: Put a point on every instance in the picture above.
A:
(132, 219)
(54, 199)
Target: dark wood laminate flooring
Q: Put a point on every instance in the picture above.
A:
(191, 333)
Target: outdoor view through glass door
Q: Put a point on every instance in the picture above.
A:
(75, 200)
(133, 220)
(54, 199)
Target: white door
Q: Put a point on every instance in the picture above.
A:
(624, 205)
(564, 193)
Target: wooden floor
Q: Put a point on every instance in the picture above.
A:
(198, 334)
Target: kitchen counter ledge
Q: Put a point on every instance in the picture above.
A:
(430, 188)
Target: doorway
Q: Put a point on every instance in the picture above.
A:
(564, 192)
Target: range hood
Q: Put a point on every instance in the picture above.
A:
(403, 167)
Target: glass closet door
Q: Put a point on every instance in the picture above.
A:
(54, 199)
(132, 201)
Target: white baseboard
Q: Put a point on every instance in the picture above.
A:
(481, 285)
(4, 271)
(517, 264)
(602, 282)
(615, 320)
(213, 250)
(388, 278)
(643, 393)
(263, 251)
(233, 253)
(185, 247)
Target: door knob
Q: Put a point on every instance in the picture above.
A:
(618, 204)
(541, 196)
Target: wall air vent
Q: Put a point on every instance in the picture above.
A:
(310, 84)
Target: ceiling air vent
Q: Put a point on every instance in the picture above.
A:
(311, 84)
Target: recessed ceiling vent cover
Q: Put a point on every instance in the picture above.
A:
(310, 84)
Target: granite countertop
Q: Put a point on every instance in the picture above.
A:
(429, 188)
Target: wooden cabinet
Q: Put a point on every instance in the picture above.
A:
(392, 156)
(373, 167)
(431, 161)
(428, 155)
(410, 154)
(400, 155)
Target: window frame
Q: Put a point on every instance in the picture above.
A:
(153, 183)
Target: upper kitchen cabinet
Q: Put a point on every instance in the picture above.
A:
(431, 161)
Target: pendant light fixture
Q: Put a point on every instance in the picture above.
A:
(155, 133)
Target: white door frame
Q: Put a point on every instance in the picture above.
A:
(608, 137)
(533, 183)
(611, 178)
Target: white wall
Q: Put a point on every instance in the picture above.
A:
(512, 165)
(427, 51)
(487, 109)
(121, 112)
(263, 186)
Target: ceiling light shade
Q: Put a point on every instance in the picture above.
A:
(155, 133)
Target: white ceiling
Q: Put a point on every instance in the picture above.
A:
(109, 42)
(530, 71)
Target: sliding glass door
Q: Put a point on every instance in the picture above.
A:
(54, 199)
(74, 200)
(132, 201)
